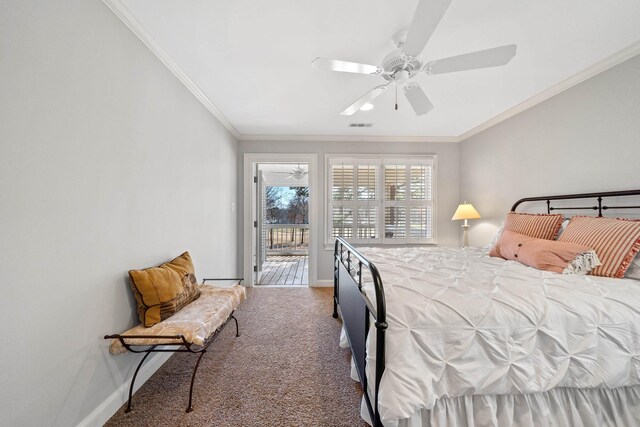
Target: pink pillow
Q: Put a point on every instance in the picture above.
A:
(551, 255)
(540, 226)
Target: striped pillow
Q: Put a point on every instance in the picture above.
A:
(540, 226)
(615, 240)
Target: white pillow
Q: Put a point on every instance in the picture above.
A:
(563, 227)
(497, 236)
(633, 272)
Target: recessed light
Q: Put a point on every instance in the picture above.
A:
(366, 106)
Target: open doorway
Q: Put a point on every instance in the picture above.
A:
(280, 220)
(283, 224)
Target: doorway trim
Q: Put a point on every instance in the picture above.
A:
(250, 161)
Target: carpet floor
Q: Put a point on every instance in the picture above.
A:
(285, 369)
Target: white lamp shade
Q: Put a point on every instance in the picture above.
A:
(465, 211)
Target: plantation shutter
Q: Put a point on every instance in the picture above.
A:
(342, 183)
(421, 217)
(381, 200)
(395, 193)
(368, 200)
(355, 199)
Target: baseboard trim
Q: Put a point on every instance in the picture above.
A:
(322, 284)
(104, 411)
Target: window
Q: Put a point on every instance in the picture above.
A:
(381, 199)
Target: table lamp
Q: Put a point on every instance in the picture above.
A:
(465, 211)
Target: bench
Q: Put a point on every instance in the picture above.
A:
(191, 329)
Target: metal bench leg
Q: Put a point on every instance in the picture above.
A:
(133, 380)
(235, 320)
(193, 377)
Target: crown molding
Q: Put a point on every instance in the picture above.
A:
(599, 67)
(346, 138)
(136, 27)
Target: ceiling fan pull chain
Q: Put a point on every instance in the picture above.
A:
(396, 98)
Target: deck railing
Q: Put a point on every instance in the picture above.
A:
(283, 239)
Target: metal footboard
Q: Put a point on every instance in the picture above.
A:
(357, 311)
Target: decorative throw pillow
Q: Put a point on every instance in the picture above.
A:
(615, 240)
(540, 226)
(551, 255)
(161, 291)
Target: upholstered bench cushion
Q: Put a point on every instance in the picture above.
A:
(196, 321)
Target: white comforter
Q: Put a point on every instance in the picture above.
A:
(462, 323)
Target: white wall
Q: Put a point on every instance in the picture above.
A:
(447, 181)
(584, 139)
(106, 163)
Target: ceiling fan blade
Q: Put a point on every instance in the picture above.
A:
(417, 98)
(367, 97)
(345, 66)
(470, 61)
(425, 20)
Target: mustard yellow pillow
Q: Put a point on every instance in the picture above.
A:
(161, 291)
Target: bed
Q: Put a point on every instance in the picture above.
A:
(455, 337)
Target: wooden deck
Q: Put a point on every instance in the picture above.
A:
(285, 270)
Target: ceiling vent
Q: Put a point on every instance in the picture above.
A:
(360, 125)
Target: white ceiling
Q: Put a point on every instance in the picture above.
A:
(252, 58)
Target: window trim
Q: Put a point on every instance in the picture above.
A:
(381, 160)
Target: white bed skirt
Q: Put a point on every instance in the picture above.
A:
(558, 407)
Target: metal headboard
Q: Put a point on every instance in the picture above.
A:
(598, 197)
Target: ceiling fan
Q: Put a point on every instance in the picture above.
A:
(297, 173)
(404, 63)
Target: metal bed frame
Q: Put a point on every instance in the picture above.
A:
(357, 311)
(171, 346)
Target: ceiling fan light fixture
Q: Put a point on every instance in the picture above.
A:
(401, 77)
(367, 106)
